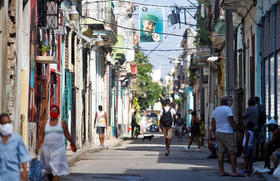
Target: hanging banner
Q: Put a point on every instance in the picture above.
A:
(151, 24)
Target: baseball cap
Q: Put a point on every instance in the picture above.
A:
(272, 121)
(151, 18)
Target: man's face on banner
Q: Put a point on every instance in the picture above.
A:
(149, 26)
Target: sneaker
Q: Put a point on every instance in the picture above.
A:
(245, 172)
(187, 148)
(198, 149)
(167, 153)
(102, 146)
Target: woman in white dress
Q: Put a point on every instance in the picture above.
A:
(53, 155)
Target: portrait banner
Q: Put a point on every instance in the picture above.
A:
(151, 24)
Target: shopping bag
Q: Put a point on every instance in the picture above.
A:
(276, 173)
(35, 170)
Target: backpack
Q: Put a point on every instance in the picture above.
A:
(166, 118)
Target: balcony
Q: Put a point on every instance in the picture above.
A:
(217, 36)
(101, 19)
(236, 4)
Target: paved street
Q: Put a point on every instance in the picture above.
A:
(144, 160)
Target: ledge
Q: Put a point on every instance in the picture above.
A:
(46, 60)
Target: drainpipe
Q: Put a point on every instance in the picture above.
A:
(117, 104)
(269, 80)
(263, 65)
(275, 64)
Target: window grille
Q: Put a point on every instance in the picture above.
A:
(48, 13)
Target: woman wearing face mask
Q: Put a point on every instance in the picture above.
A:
(53, 154)
(13, 152)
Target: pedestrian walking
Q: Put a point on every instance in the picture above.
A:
(195, 131)
(249, 148)
(14, 154)
(223, 126)
(260, 142)
(53, 155)
(166, 123)
(179, 126)
(252, 114)
(133, 123)
(101, 122)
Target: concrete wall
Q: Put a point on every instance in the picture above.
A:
(249, 30)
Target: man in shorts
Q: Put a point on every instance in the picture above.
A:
(167, 118)
(223, 126)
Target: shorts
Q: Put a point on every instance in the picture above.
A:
(167, 131)
(100, 130)
(226, 142)
(250, 152)
(179, 129)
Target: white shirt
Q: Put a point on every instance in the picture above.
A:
(172, 111)
(166, 108)
(100, 121)
(251, 139)
(221, 115)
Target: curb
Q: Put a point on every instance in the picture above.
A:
(78, 155)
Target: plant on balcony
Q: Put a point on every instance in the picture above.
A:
(45, 49)
(202, 38)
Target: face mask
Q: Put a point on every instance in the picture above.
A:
(6, 129)
(54, 114)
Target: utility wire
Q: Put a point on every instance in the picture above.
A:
(143, 4)
(161, 50)
(134, 29)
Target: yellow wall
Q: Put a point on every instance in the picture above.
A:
(24, 105)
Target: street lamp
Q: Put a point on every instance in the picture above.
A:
(74, 14)
(212, 59)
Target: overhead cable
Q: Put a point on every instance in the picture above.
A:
(143, 4)
(161, 50)
(134, 29)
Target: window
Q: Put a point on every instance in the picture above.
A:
(48, 13)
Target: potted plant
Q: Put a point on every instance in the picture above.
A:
(45, 49)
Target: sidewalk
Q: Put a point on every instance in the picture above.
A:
(74, 157)
(259, 165)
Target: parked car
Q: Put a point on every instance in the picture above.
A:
(154, 128)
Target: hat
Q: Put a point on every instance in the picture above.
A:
(151, 18)
(272, 121)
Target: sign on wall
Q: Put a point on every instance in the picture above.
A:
(151, 24)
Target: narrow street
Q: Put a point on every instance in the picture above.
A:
(144, 160)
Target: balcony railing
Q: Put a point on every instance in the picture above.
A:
(112, 23)
(100, 16)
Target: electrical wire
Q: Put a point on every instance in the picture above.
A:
(134, 29)
(161, 50)
(142, 4)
